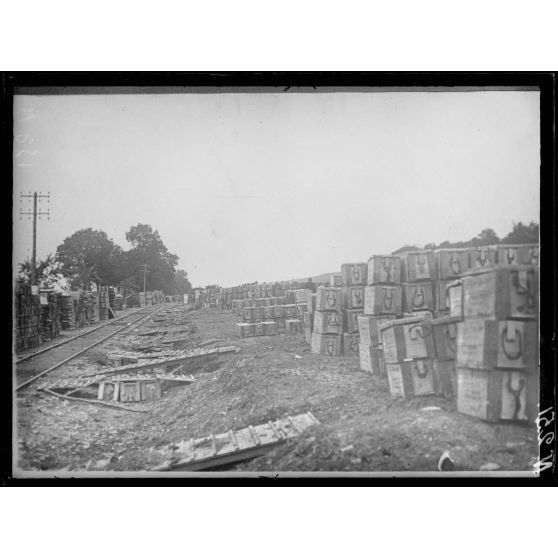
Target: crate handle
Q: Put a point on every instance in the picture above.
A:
(421, 373)
(358, 295)
(388, 299)
(516, 395)
(330, 347)
(332, 320)
(419, 295)
(387, 268)
(331, 300)
(517, 337)
(455, 263)
(510, 255)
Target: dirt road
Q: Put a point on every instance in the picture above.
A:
(362, 428)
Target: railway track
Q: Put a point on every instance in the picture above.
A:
(36, 365)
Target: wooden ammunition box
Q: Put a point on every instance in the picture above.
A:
(129, 391)
(447, 376)
(354, 274)
(520, 254)
(418, 266)
(293, 326)
(268, 313)
(382, 299)
(290, 311)
(245, 330)
(301, 307)
(329, 345)
(418, 296)
(369, 328)
(150, 390)
(502, 293)
(407, 338)
(384, 270)
(369, 359)
(445, 338)
(329, 298)
(353, 297)
(412, 378)
(455, 298)
(451, 262)
(350, 320)
(270, 328)
(279, 311)
(328, 322)
(487, 344)
(495, 395)
(336, 280)
(351, 344)
(482, 257)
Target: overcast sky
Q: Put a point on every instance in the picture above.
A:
(263, 187)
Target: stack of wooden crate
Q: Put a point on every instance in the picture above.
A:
(419, 275)
(67, 311)
(497, 344)
(408, 349)
(382, 304)
(450, 264)
(256, 329)
(28, 317)
(118, 302)
(50, 315)
(328, 321)
(353, 276)
(112, 297)
(103, 303)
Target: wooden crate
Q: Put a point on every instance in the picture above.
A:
(482, 257)
(354, 274)
(447, 376)
(418, 266)
(129, 391)
(384, 270)
(150, 390)
(351, 344)
(451, 262)
(418, 296)
(517, 254)
(329, 345)
(487, 344)
(293, 326)
(502, 293)
(455, 299)
(497, 395)
(270, 328)
(369, 328)
(382, 299)
(445, 338)
(329, 298)
(350, 320)
(407, 338)
(412, 378)
(369, 358)
(335, 280)
(245, 330)
(328, 322)
(353, 297)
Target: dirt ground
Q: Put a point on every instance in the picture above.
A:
(361, 427)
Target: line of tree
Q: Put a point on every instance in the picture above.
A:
(89, 258)
(520, 234)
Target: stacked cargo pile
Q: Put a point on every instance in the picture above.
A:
(256, 329)
(382, 304)
(419, 276)
(450, 266)
(408, 349)
(239, 304)
(50, 315)
(328, 321)
(67, 311)
(497, 341)
(103, 298)
(28, 317)
(308, 317)
(353, 280)
(118, 302)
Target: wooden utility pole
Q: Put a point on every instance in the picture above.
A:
(36, 197)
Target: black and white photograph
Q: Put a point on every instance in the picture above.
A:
(288, 279)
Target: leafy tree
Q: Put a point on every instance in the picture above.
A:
(182, 284)
(89, 257)
(46, 272)
(523, 234)
(405, 249)
(485, 237)
(149, 249)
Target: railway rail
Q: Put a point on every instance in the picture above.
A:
(32, 367)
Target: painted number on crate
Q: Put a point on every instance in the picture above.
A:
(546, 436)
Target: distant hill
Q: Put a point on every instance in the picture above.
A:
(324, 277)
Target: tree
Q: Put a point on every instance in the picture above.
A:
(405, 249)
(182, 284)
(486, 237)
(89, 257)
(46, 272)
(523, 234)
(148, 249)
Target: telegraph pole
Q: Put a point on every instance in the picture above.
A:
(36, 197)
